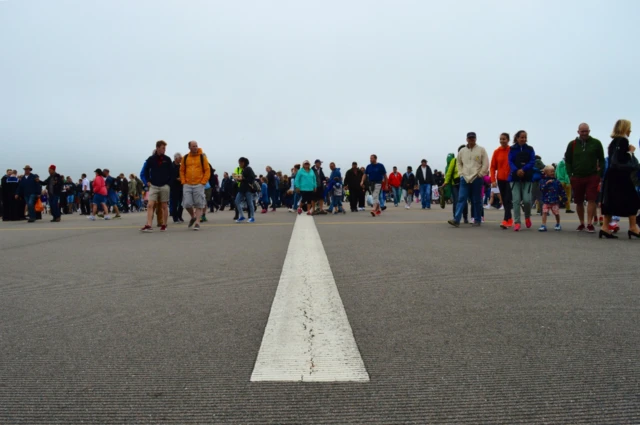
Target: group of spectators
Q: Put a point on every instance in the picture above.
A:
(514, 180)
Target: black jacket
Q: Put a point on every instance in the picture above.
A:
(175, 177)
(352, 179)
(57, 184)
(408, 181)
(320, 177)
(248, 177)
(157, 170)
(422, 179)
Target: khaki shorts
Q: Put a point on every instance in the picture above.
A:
(159, 193)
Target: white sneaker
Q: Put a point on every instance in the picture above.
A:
(473, 220)
(290, 210)
(501, 207)
(486, 207)
(407, 207)
(106, 217)
(92, 217)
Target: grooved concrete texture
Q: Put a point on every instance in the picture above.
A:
(102, 324)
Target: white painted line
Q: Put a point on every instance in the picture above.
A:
(308, 336)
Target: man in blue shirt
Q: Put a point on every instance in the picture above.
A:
(377, 176)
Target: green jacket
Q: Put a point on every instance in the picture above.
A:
(452, 172)
(584, 158)
(561, 173)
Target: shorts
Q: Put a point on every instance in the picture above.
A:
(99, 199)
(555, 209)
(70, 199)
(112, 198)
(375, 192)
(308, 196)
(495, 190)
(193, 196)
(159, 193)
(585, 188)
(319, 194)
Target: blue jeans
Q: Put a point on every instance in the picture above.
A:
(382, 198)
(249, 198)
(54, 203)
(296, 200)
(336, 202)
(397, 194)
(30, 200)
(468, 191)
(425, 195)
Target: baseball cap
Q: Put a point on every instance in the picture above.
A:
(306, 161)
(52, 167)
(471, 134)
(317, 160)
(27, 167)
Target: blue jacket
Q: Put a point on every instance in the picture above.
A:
(156, 170)
(552, 191)
(29, 186)
(264, 193)
(335, 173)
(521, 158)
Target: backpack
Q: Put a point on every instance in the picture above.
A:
(184, 160)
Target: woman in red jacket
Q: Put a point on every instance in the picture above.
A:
(99, 196)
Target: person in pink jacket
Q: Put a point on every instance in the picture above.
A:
(99, 196)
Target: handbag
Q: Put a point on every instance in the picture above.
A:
(629, 166)
(38, 207)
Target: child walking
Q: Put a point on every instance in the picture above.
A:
(552, 194)
(264, 195)
(337, 194)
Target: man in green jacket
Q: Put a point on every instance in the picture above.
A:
(563, 178)
(584, 159)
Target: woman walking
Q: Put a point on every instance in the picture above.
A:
(306, 184)
(619, 195)
(522, 159)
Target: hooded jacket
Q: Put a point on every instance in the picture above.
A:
(500, 164)
(561, 173)
(452, 176)
(521, 158)
(552, 191)
(191, 169)
(306, 181)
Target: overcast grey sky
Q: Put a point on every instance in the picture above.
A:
(92, 83)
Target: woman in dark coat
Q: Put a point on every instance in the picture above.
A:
(619, 196)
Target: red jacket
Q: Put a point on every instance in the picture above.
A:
(395, 179)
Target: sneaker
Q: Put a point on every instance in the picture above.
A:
(383, 208)
(601, 221)
(501, 207)
(192, 222)
(591, 229)
(542, 228)
(378, 212)
(527, 222)
(344, 211)
(163, 228)
(176, 221)
(147, 229)
(373, 214)
(240, 220)
(273, 210)
(360, 209)
(580, 228)
(100, 215)
(466, 221)
(309, 212)
(406, 207)
(203, 218)
(570, 212)
(251, 220)
(263, 212)
(299, 211)
(395, 205)
(196, 227)
(516, 227)
(558, 228)
(116, 216)
(486, 207)
(106, 217)
(290, 210)
(483, 219)
(476, 224)
(181, 220)
(92, 217)
(454, 223)
(473, 220)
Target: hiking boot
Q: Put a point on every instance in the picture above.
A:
(147, 229)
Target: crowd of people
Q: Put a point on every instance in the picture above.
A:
(515, 180)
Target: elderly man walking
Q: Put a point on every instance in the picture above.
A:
(584, 159)
(473, 165)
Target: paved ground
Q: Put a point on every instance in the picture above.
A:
(102, 324)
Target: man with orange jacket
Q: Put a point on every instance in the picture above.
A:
(395, 182)
(194, 175)
(499, 173)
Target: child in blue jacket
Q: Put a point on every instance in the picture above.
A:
(264, 195)
(552, 194)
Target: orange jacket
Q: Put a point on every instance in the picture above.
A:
(500, 164)
(395, 180)
(191, 171)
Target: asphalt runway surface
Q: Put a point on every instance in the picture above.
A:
(100, 323)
